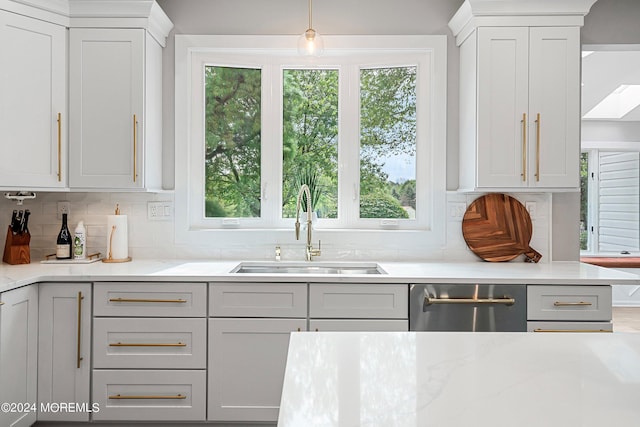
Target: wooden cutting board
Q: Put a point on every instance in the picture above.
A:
(497, 227)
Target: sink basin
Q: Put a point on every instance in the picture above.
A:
(304, 268)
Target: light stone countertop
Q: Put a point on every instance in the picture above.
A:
(460, 379)
(553, 273)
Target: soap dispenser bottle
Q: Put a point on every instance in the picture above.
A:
(80, 242)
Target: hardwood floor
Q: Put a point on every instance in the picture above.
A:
(626, 319)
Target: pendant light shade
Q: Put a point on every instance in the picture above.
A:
(310, 43)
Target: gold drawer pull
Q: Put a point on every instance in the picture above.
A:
(506, 301)
(569, 304)
(120, 396)
(147, 300)
(571, 330)
(1, 303)
(119, 344)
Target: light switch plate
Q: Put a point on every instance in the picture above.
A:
(159, 211)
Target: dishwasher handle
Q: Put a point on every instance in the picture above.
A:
(428, 300)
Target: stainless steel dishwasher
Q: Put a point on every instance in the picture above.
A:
(468, 307)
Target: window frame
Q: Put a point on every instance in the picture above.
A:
(594, 148)
(429, 51)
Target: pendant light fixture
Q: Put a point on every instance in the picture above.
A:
(310, 43)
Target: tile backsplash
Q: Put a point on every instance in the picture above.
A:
(150, 238)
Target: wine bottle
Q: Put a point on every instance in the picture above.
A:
(63, 244)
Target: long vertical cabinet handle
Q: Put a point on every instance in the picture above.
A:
(524, 146)
(135, 148)
(80, 298)
(59, 147)
(538, 147)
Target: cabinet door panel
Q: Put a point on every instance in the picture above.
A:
(247, 359)
(554, 94)
(502, 101)
(32, 93)
(105, 95)
(62, 375)
(358, 325)
(18, 352)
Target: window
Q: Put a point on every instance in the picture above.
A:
(610, 200)
(363, 126)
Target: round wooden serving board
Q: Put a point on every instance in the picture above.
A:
(497, 227)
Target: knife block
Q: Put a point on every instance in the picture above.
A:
(16, 248)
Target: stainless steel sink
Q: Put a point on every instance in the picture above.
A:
(283, 268)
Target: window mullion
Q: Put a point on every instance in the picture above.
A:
(271, 159)
(349, 146)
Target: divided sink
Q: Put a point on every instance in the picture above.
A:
(307, 268)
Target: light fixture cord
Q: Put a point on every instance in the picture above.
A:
(310, 8)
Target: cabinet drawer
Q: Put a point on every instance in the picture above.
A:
(358, 325)
(258, 300)
(149, 343)
(580, 303)
(149, 395)
(337, 300)
(569, 327)
(150, 299)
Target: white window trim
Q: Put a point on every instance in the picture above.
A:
(431, 232)
(594, 148)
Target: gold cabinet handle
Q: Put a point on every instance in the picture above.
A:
(538, 147)
(569, 304)
(119, 344)
(571, 330)
(79, 358)
(524, 146)
(1, 303)
(506, 301)
(120, 396)
(59, 147)
(182, 301)
(135, 148)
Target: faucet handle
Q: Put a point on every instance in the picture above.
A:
(297, 230)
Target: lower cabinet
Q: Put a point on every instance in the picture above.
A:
(149, 395)
(247, 360)
(149, 351)
(19, 354)
(569, 308)
(249, 333)
(64, 352)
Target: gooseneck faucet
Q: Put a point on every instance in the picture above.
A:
(310, 252)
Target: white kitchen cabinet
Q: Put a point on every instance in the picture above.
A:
(115, 95)
(569, 308)
(33, 103)
(149, 351)
(19, 354)
(64, 352)
(149, 395)
(358, 301)
(520, 109)
(247, 359)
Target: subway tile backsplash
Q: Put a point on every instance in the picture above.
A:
(155, 238)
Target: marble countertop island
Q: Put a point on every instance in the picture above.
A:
(461, 379)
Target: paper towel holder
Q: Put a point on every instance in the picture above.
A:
(109, 257)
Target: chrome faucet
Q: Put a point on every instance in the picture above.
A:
(310, 252)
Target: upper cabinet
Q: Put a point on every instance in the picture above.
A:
(111, 54)
(519, 95)
(33, 103)
(115, 96)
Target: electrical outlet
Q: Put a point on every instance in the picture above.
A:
(457, 210)
(64, 208)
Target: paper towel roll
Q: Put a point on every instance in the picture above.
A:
(117, 237)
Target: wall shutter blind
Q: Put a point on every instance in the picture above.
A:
(619, 201)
